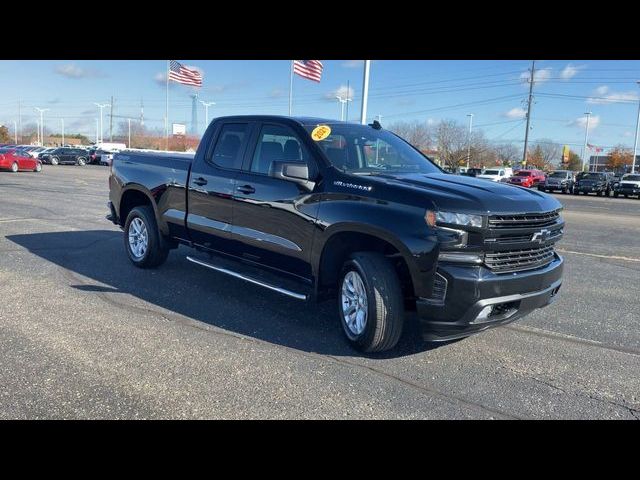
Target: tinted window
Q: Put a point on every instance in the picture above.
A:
(228, 151)
(277, 143)
(523, 174)
(632, 178)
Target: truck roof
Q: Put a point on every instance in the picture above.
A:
(299, 119)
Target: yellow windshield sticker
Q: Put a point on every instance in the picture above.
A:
(321, 132)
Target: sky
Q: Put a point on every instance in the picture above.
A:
(494, 91)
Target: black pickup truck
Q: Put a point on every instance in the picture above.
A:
(318, 209)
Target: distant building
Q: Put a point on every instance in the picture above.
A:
(600, 163)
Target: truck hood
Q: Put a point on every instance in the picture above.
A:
(467, 194)
(630, 183)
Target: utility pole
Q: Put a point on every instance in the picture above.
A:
(97, 133)
(15, 131)
(526, 133)
(586, 138)
(19, 121)
(365, 92)
(635, 144)
(129, 144)
(206, 112)
(62, 121)
(470, 115)
(41, 110)
(111, 122)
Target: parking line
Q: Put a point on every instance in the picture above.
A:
(612, 257)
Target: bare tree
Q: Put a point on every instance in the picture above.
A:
(507, 154)
(550, 152)
(417, 133)
(451, 141)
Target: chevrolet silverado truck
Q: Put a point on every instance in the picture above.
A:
(629, 185)
(320, 210)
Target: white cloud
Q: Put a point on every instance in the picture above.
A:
(581, 122)
(277, 93)
(603, 95)
(515, 113)
(353, 63)
(71, 70)
(431, 121)
(570, 71)
(341, 92)
(540, 76)
(627, 134)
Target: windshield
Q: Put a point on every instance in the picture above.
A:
(363, 150)
(558, 175)
(632, 178)
(593, 176)
(523, 174)
(491, 172)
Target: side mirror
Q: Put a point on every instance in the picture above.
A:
(296, 172)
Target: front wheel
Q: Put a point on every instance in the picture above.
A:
(370, 302)
(81, 161)
(615, 194)
(142, 239)
(14, 167)
(54, 161)
(38, 167)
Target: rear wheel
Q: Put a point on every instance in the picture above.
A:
(38, 167)
(142, 240)
(370, 302)
(54, 161)
(615, 194)
(14, 167)
(81, 161)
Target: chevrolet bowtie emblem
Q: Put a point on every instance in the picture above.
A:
(541, 236)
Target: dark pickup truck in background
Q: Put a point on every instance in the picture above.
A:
(319, 209)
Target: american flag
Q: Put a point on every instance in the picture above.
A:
(181, 74)
(593, 147)
(310, 69)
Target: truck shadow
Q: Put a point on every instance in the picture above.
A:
(95, 263)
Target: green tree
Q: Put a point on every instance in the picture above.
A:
(4, 135)
(575, 162)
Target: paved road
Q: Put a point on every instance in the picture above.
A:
(86, 335)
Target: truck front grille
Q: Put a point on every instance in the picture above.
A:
(527, 220)
(519, 260)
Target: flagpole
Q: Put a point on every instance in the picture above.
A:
(365, 92)
(291, 90)
(166, 113)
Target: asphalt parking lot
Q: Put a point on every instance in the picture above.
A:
(87, 335)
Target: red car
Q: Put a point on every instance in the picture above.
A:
(14, 160)
(528, 178)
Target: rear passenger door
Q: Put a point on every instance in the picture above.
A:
(274, 218)
(211, 186)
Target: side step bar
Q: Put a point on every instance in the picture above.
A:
(246, 278)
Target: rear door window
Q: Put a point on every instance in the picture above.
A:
(277, 143)
(230, 146)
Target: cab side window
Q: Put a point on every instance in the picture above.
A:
(277, 143)
(228, 150)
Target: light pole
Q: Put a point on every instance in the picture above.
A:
(470, 115)
(206, 112)
(365, 92)
(635, 144)
(15, 130)
(41, 110)
(343, 101)
(101, 106)
(97, 135)
(129, 144)
(586, 138)
(62, 121)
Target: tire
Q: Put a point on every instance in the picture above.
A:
(14, 167)
(156, 249)
(576, 192)
(615, 194)
(38, 168)
(81, 161)
(54, 160)
(564, 191)
(599, 194)
(382, 326)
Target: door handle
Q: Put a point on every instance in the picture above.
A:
(247, 189)
(200, 181)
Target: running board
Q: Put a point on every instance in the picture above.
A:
(247, 278)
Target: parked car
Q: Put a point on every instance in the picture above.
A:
(339, 224)
(63, 155)
(14, 160)
(100, 157)
(527, 178)
(473, 172)
(562, 180)
(628, 186)
(593, 182)
(496, 174)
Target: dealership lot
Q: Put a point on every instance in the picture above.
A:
(86, 335)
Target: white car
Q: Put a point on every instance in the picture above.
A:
(628, 186)
(496, 174)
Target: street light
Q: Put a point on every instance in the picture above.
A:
(101, 106)
(41, 110)
(62, 121)
(206, 112)
(586, 137)
(343, 101)
(470, 115)
(15, 130)
(635, 144)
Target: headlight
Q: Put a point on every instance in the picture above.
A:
(464, 219)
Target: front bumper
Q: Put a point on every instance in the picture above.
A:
(589, 188)
(473, 291)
